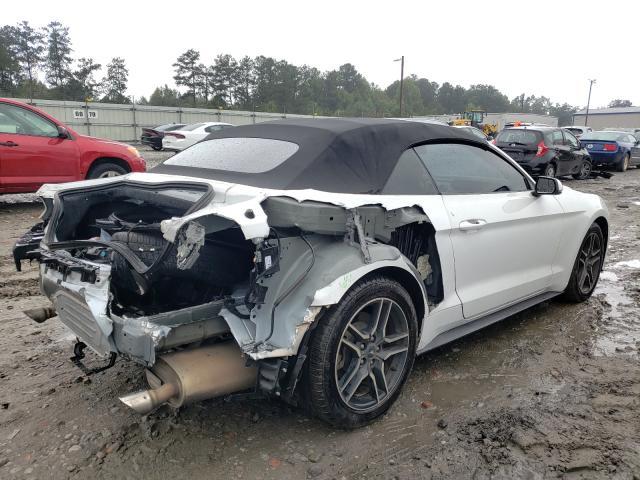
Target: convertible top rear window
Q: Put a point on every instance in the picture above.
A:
(242, 155)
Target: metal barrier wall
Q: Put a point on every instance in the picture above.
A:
(124, 122)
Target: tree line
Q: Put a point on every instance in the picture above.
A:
(38, 63)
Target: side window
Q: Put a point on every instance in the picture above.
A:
(213, 128)
(14, 119)
(571, 140)
(464, 169)
(548, 139)
(556, 137)
(409, 177)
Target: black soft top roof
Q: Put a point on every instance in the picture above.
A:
(334, 155)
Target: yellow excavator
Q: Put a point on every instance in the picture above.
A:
(475, 118)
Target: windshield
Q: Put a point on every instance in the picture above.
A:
(575, 131)
(519, 136)
(242, 155)
(606, 136)
(192, 127)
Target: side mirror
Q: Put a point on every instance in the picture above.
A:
(547, 186)
(579, 144)
(489, 138)
(63, 132)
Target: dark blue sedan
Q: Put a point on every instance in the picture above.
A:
(611, 148)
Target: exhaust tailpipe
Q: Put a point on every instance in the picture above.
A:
(188, 376)
(40, 314)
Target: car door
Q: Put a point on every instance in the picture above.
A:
(576, 154)
(31, 152)
(504, 238)
(635, 150)
(564, 160)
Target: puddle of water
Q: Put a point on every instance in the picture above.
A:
(608, 276)
(621, 327)
(635, 263)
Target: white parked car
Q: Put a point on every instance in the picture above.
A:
(308, 260)
(178, 140)
(578, 130)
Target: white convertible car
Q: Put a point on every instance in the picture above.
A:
(308, 260)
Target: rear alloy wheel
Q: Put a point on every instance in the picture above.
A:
(550, 170)
(585, 170)
(624, 163)
(361, 353)
(587, 267)
(106, 170)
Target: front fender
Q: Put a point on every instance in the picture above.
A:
(581, 211)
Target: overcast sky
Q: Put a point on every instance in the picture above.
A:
(537, 47)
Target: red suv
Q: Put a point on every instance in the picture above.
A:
(35, 148)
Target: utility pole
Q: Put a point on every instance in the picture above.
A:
(586, 118)
(401, 60)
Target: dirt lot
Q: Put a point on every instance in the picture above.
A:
(551, 392)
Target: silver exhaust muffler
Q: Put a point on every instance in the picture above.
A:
(41, 314)
(189, 376)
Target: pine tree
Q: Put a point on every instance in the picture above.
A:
(29, 51)
(114, 84)
(224, 78)
(10, 74)
(58, 59)
(189, 73)
(85, 76)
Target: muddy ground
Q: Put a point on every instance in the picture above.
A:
(553, 392)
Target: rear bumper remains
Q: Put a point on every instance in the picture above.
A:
(79, 291)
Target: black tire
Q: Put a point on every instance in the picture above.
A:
(156, 148)
(106, 169)
(325, 400)
(576, 291)
(585, 170)
(624, 163)
(549, 170)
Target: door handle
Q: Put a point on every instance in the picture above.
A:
(472, 224)
(8, 144)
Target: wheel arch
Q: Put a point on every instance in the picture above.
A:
(338, 267)
(603, 223)
(410, 283)
(102, 160)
